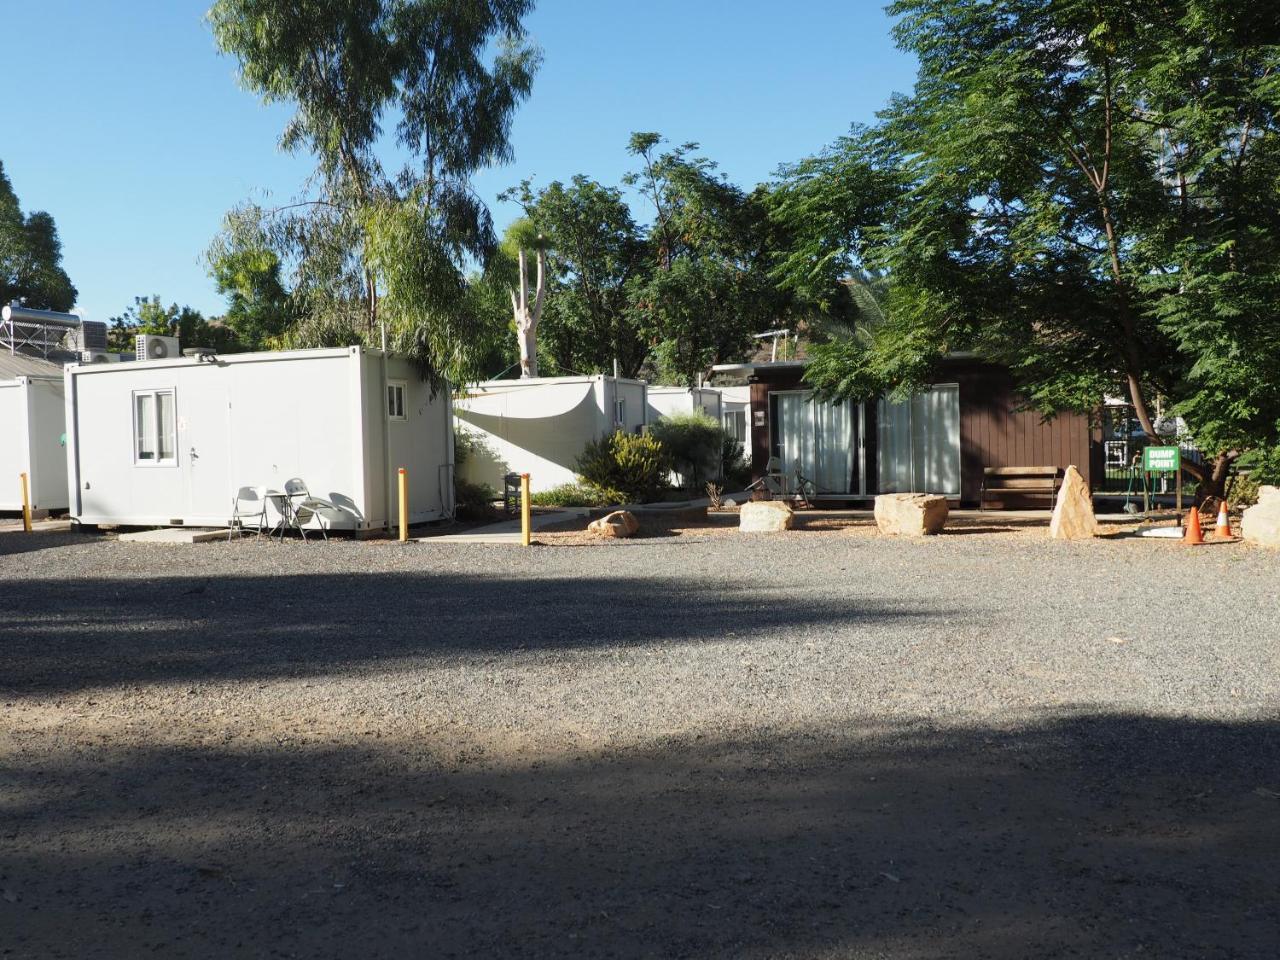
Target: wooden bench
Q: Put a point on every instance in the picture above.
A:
(1001, 482)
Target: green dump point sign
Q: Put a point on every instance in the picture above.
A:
(1161, 459)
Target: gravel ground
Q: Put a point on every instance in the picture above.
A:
(693, 744)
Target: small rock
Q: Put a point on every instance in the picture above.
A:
(620, 523)
(765, 516)
(729, 503)
(910, 514)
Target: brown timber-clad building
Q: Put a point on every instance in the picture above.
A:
(938, 441)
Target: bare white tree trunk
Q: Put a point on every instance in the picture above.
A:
(527, 316)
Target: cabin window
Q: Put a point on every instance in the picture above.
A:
(620, 411)
(395, 401)
(154, 442)
(735, 424)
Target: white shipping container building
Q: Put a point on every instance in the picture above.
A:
(31, 433)
(540, 425)
(664, 401)
(169, 442)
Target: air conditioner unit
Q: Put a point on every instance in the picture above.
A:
(98, 356)
(151, 347)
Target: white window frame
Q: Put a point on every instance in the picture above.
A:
(620, 412)
(397, 388)
(155, 394)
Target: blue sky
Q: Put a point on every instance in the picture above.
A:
(124, 122)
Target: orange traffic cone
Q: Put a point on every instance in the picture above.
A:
(1223, 530)
(1193, 535)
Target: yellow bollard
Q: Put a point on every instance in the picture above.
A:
(404, 505)
(26, 505)
(526, 525)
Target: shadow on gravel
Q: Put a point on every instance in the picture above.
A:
(14, 542)
(78, 633)
(1083, 836)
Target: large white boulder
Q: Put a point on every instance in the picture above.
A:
(1261, 522)
(910, 514)
(1073, 517)
(765, 516)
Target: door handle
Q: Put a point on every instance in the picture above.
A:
(193, 454)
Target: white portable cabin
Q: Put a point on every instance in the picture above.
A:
(169, 442)
(32, 425)
(540, 425)
(664, 401)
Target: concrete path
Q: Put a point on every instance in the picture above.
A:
(508, 531)
(9, 525)
(174, 535)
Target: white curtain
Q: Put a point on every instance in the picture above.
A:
(144, 420)
(935, 418)
(795, 430)
(894, 432)
(920, 443)
(834, 427)
(816, 439)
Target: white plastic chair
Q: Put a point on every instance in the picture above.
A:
(249, 503)
(305, 506)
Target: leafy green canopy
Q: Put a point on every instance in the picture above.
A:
(1086, 191)
(377, 246)
(149, 315)
(30, 257)
(248, 272)
(595, 251)
(709, 290)
(678, 294)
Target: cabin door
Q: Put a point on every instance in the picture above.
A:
(204, 444)
(818, 440)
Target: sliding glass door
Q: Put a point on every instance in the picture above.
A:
(816, 439)
(920, 442)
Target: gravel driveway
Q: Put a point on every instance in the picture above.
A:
(706, 745)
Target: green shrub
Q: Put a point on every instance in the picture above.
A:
(1256, 468)
(467, 446)
(473, 501)
(694, 441)
(576, 495)
(635, 466)
(735, 471)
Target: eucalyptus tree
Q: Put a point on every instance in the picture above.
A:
(375, 245)
(595, 251)
(1087, 193)
(248, 271)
